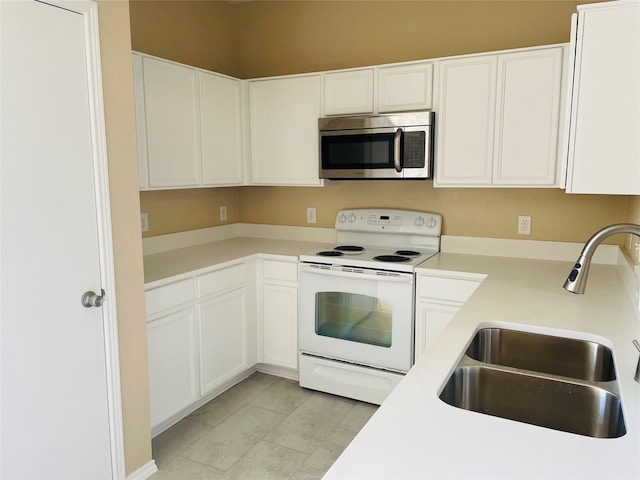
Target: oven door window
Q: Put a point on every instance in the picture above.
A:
(354, 317)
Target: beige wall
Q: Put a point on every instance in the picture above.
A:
(198, 33)
(466, 212)
(117, 80)
(181, 210)
(280, 37)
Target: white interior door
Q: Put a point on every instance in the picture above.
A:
(54, 400)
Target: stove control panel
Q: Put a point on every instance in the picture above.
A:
(391, 221)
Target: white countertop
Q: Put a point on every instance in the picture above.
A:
(158, 266)
(416, 435)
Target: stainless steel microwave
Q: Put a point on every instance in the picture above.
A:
(395, 146)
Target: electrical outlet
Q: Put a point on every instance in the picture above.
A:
(223, 213)
(524, 225)
(311, 215)
(144, 222)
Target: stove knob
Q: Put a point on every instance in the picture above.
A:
(432, 222)
(342, 218)
(420, 221)
(352, 218)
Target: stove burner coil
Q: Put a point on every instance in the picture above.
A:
(407, 253)
(349, 248)
(391, 258)
(330, 253)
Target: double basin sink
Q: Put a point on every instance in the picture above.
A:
(555, 382)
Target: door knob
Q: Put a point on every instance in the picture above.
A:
(91, 299)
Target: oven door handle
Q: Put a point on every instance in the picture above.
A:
(363, 274)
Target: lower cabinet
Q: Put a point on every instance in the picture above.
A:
(278, 309)
(173, 364)
(223, 338)
(438, 300)
(198, 340)
(208, 330)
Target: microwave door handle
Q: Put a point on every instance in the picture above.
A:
(397, 141)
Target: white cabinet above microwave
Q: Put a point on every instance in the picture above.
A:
(393, 88)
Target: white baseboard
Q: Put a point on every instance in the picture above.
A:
(144, 471)
(289, 373)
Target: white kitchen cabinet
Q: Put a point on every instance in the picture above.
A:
(201, 338)
(348, 92)
(222, 321)
(188, 124)
(438, 299)
(466, 118)
(221, 116)
(527, 118)
(604, 146)
(172, 118)
(141, 125)
(499, 120)
(284, 115)
(405, 87)
(278, 310)
(173, 364)
(223, 338)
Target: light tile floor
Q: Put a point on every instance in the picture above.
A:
(266, 428)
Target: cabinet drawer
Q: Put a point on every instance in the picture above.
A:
(284, 271)
(169, 296)
(450, 289)
(221, 280)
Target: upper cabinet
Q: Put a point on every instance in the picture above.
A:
(604, 144)
(499, 119)
(188, 124)
(283, 115)
(395, 88)
(348, 92)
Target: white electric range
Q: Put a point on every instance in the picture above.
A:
(357, 301)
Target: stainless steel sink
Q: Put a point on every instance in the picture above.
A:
(568, 357)
(550, 381)
(529, 398)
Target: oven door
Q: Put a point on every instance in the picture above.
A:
(357, 315)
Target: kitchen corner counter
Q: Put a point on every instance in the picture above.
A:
(159, 266)
(416, 435)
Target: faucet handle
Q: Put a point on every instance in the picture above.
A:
(637, 375)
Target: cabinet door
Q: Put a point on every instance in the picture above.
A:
(220, 111)
(348, 92)
(173, 364)
(223, 338)
(466, 110)
(141, 126)
(604, 149)
(280, 325)
(284, 130)
(405, 87)
(172, 123)
(528, 111)
(431, 318)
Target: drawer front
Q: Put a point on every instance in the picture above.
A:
(169, 296)
(450, 289)
(222, 280)
(283, 271)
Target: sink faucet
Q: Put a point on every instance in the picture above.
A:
(577, 279)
